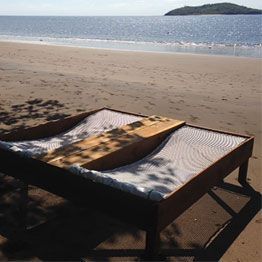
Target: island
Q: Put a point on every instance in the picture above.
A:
(214, 9)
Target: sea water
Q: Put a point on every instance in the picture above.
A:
(234, 35)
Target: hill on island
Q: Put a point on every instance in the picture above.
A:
(215, 9)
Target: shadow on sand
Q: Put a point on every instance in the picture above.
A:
(18, 115)
(57, 230)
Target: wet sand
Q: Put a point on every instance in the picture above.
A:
(39, 83)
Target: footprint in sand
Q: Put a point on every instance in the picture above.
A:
(151, 103)
(193, 118)
(80, 110)
(151, 84)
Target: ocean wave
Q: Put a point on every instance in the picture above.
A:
(157, 46)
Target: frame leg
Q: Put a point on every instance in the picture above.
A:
(242, 175)
(23, 208)
(17, 236)
(152, 244)
(21, 227)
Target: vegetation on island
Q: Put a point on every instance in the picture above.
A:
(215, 9)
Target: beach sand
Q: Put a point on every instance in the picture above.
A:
(39, 83)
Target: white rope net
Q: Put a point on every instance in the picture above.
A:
(183, 155)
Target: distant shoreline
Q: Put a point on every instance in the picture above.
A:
(109, 15)
(214, 9)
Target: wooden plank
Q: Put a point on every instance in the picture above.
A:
(114, 141)
(99, 139)
(123, 149)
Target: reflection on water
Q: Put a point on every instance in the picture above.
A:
(236, 35)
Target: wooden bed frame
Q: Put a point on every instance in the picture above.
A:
(146, 214)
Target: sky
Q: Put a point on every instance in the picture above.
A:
(105, 7)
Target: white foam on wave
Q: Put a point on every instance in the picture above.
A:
(247, 50)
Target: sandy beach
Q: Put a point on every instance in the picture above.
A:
(39, 83)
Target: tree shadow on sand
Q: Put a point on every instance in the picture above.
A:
(18, 115)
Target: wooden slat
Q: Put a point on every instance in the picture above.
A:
(99, 139)
(148, 139)
(110, 141)
(121, 149)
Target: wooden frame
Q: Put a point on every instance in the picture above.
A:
(146, 214)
